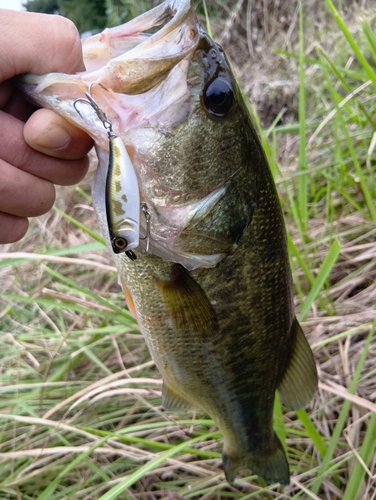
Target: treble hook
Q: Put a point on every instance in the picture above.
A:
(98, 111)
(147, 213)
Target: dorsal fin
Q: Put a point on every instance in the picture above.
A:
(299, 382)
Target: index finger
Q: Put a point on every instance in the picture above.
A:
(38, 43)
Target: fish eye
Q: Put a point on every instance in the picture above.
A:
(120, 243)
(219, 97)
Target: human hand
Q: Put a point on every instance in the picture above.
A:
(37, 148)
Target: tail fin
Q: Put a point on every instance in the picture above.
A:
(270, 464)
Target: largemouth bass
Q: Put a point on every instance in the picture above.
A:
(210, 282)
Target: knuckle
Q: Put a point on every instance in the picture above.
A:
(12, 228)
(43, 199)
(22, 157)
(23, 194)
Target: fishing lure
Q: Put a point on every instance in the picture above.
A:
(122, 192)
(122, 199)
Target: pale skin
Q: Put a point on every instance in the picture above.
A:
(38, 148)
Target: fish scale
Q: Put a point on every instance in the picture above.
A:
(211, 287)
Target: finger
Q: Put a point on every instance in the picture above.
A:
(48, 44)
(6, 91)
(15, 151)
(12, 228)
(18, 106)
(23, 194)
(52, 135)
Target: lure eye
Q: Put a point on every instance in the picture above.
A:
(219, 97)
(120, 243)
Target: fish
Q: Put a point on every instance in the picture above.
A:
(210, 284)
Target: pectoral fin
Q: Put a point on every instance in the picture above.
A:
(299, 382)
(190, 309)
(171, 400)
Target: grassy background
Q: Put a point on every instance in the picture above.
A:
(80, 399)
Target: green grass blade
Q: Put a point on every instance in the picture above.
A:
(340, 70)
(303, 177)
(113, 493)
(301, 261)
(366, 452)
(156, 445)
(78, 224)
(342, 335)
(49, 491)
(327, 265)
(56, 252)
(83, 193)
(75, 286)
(312, 432)
(207, 19)
(357, 51)
(360, 173)
(278, 421)
(371, 39)
(324, 469)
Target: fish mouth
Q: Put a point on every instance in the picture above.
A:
(122, 64)
(132, 61)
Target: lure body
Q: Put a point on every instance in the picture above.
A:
(122, 199)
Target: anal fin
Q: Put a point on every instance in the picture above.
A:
(171, 400)
(299, 382)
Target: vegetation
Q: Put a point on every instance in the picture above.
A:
(92, 15)
(80, 398)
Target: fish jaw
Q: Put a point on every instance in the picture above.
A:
(121, 59)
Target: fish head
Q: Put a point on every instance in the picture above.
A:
(172, 98)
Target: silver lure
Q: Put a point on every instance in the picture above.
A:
(122, 196)
(122, 200)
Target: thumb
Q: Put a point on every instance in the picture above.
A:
(38, 43)
(49, 133)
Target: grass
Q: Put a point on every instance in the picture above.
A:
(80, 399)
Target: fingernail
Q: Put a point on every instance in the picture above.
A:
(53, 137)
